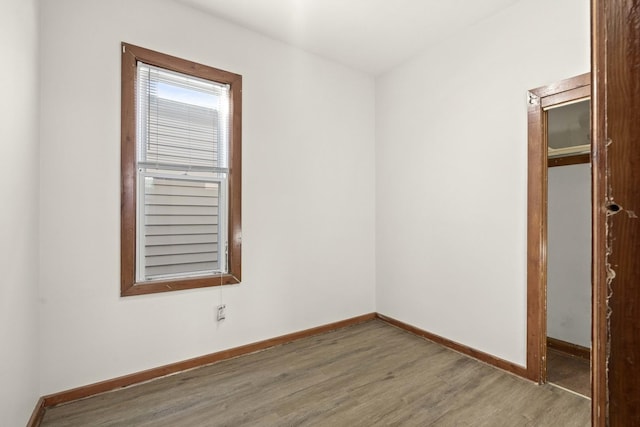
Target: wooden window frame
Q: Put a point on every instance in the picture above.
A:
(130, 56)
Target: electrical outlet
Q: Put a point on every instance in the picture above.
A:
(222, 312)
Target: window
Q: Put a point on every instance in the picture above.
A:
(181, 174)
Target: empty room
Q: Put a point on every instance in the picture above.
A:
(313, 212)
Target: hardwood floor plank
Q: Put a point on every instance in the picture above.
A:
(364, 375)
(570, 372)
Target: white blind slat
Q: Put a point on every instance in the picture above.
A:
(186, 118)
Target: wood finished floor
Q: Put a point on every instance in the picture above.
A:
(569, 372)
(371, 374)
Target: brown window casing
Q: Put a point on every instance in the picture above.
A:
(130, 57)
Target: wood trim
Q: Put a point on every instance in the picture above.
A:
(599, 398)
(569, 348)
(571, 95)
(563, 86)
(536, 239)
(38, 414)
(616, 46)
(128, 171)
(489, 359)
(130, 56)
(540, 98)
(177, 285)
(149, 374)
(569, 160)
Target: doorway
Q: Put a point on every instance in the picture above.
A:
(569, 246)
(542, 100)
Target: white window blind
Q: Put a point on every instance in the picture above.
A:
(182, 159)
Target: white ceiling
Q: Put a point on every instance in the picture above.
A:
(370, 35)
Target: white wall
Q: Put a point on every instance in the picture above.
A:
(19, 213)
(308, 193)
(451, 173)
(569, 254)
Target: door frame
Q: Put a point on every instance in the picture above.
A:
(615, 55)
(541, 98)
